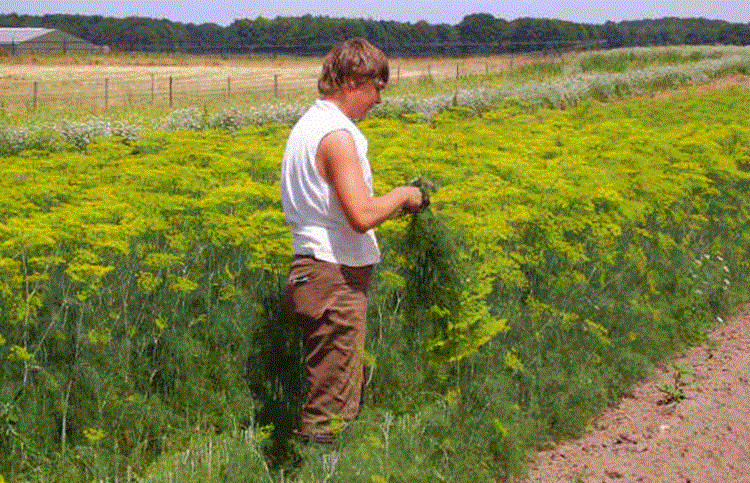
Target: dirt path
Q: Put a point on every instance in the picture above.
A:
(647, 437)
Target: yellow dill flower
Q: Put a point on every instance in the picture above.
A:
(19, 353)
(93, 434)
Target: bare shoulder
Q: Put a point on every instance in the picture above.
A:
(336, 140)
(336, 149)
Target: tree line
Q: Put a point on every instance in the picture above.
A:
(476, 33)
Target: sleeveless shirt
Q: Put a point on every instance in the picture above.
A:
(318, 223)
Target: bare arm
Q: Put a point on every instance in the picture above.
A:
(338, 164)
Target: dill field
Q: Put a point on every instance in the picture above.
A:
(581, 231)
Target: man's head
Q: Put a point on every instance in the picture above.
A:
(356, 60)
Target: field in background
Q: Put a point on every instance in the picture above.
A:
(96, 83)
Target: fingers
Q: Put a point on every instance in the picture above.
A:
(425, 200)
(415, 200)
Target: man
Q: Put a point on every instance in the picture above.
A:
(326, 191)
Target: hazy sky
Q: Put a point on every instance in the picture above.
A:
(223, 12)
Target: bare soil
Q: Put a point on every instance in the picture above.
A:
(652, 437)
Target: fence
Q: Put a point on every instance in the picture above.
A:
(136, 91)
(62, 46)
(96, 89)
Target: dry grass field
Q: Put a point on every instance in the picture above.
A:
(97, 82)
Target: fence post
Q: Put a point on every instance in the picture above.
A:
(457, 71)
(276, 85)
(398, 73)
(35, 91)
(170, 91)
(429, 71)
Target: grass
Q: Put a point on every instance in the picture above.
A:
(632, 59)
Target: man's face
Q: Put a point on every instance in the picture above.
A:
(366, 96)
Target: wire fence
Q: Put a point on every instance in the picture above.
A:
(100, 88)
(140, 88)
(56, 46)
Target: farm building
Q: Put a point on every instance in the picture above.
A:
(15, 40)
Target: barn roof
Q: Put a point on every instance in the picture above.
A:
(21, 34)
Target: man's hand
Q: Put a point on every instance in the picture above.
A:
(414, 199)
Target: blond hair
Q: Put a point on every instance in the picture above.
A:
(356, 59)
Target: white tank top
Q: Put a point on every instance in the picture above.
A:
(319, 225)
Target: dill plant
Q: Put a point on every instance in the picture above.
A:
(444, 300)
(434, 271)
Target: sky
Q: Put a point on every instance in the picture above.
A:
(224, 12)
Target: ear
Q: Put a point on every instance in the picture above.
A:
(351, 84)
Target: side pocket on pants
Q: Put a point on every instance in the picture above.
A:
(307, 292)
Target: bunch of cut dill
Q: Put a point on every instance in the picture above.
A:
(435, 271)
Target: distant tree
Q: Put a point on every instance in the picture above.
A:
(309, 34)
(376, 33)
(207, 37)
(424, 32)
(10, 20)
(530, 33)
(736, 34)
(446, 33)
(306, 30)
(247, 32)
(480, 28)
(702, 31)
(672, 31)
(612, 34)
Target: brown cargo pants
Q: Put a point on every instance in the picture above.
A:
(329, 303)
